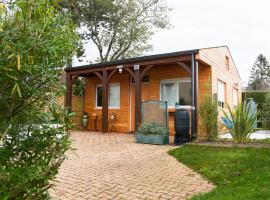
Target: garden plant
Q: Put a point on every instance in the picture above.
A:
(154, 128)
(208, 112)
(36, 43)
(241, 121)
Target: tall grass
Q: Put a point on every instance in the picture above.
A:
(208, 112)
(242, 120)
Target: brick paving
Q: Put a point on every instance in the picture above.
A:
(112, 166)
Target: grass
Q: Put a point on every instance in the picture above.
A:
(238, 173)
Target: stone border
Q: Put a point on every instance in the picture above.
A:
(230, 144)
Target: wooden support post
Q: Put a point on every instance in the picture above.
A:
(68, 90)
(105, 101)
(137, 98)
(194, 95)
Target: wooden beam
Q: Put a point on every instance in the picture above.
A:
(98, 75)
(145, 70)
(86, 71)
(111, 74)
(131, 64)
(73, 79)
(137, 99)
(130, 72)
(161, 61)
(185, 66)
(105, 101)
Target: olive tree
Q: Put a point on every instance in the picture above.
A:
(118, 28)
(36, 42)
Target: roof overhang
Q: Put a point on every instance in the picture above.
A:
(144, 60)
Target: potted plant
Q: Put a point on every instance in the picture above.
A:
(85, 119)
(152, 133)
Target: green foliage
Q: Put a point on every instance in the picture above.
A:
(266, 111)
(208, 112)
(260, 74)
(258, 97)
(79, 87)
(154, 128)
(243, 121)
(30, 157)
(238, 173)
(119, 28)
(36, 42)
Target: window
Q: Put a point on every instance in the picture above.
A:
(235, 97)
(221, 94)
(99, 96)
(114, 96)
(227, 62)
(176, 91)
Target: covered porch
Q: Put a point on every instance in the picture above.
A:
(134, 72)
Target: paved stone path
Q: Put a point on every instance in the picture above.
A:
(112, 166)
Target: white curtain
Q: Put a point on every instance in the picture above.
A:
(169, 93)
(114, 95)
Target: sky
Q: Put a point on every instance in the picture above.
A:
(242, 25)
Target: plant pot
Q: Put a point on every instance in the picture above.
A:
(85, 120)
(150, 139)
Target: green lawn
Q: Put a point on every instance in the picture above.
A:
(239, 173)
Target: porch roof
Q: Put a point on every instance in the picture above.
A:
(133, 60)
(105, 71)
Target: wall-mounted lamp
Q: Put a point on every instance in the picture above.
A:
(120, 68)
(136, 67)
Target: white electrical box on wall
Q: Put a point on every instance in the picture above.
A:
(136, 67)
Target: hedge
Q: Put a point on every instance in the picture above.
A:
(259, 98)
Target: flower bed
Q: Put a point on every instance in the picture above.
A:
(152, 133)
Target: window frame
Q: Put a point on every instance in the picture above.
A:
(96, 98)
(110, 107)
(222, 103)
(175, 80)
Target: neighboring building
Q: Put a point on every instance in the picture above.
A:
(184, 77)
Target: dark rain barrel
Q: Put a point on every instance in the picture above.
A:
(182, 126)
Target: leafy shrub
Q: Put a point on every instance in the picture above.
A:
(31, 156)
(154, 128)
(242, 121)
(208, 112)
(79, 86)
(266, 111)
(36, 41)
